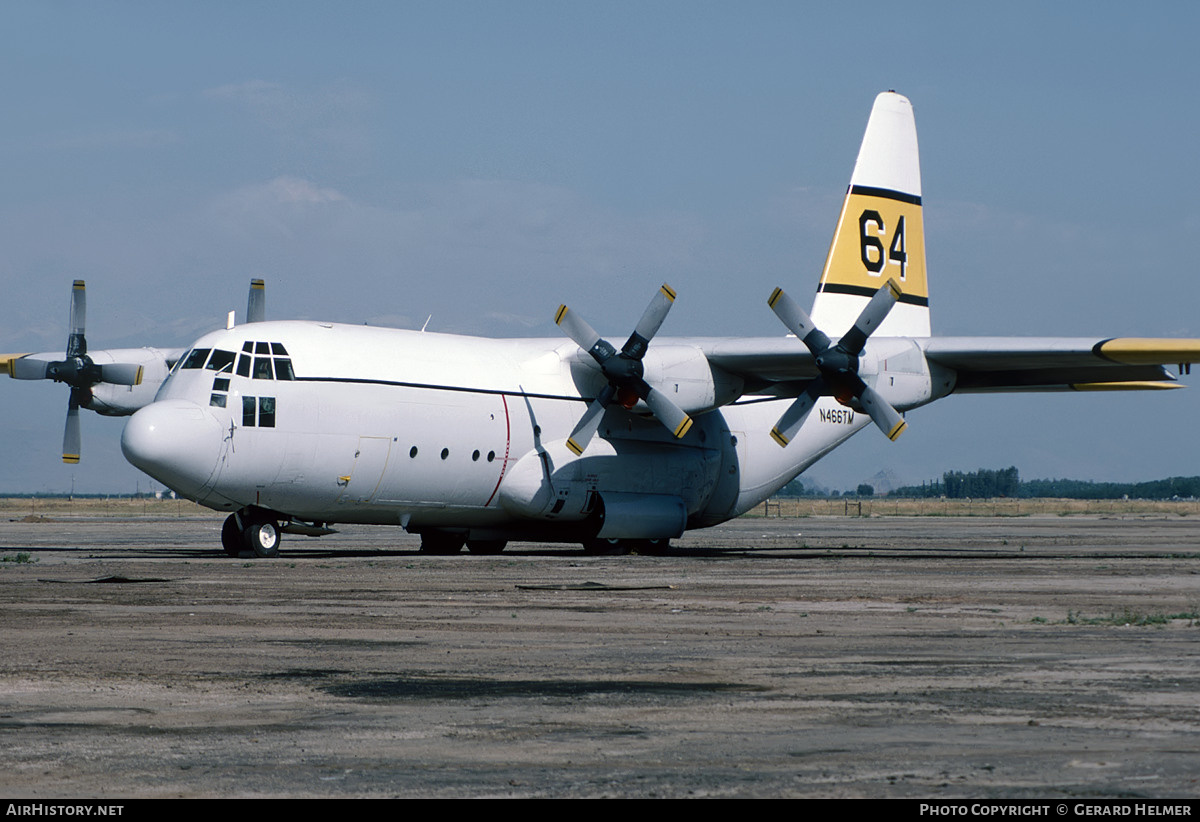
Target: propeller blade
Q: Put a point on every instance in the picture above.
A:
(587, 427)
(797, 321)
(577, 328)
(256, 303)
(71, 436)
(27, 367)
(652, 320)
(121, 373)
(795, 415)
(76, 345)
(887, 418)
(668, 413)
(870, 319)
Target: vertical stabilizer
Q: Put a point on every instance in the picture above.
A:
(880, 234)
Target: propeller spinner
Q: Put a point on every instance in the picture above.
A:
(77, 370)
(623, 369)
(837, 364)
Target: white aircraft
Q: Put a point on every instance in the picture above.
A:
(295, 426)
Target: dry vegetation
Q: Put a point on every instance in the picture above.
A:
(894, 506)
(121, 507)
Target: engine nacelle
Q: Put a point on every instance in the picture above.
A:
(681, 372)
(122, 400)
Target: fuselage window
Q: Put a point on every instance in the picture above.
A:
(196, 358)
(491, 455)
(445, 453)
(249, 406)
(262, 368)
(413, 451)
(266, 412)
(283, 369)
(221, 384)
(221, 361)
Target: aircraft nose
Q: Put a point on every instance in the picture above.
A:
(175, 441)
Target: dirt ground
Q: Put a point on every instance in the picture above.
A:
(824, 656)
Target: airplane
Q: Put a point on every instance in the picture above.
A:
(294, 426)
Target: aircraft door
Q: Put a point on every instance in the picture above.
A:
(370, 460)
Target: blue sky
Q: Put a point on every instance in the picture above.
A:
(483, 162)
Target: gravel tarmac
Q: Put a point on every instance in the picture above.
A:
(941, 657)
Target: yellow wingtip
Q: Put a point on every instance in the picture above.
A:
(1128, 385)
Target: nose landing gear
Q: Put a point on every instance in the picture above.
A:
(252, 531)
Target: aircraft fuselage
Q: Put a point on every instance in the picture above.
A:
(334, 423)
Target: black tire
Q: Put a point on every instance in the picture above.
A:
(441, 544)
(607, 547)
(232, 539)
(262, 537)
(486, 546)
(653, 547)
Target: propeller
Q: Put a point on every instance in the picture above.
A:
(623, 370)
(77, 370)
(837, 364)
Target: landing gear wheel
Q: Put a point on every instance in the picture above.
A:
(441, 544)
(486, 546)
(653, 547)
(606, 547)
(231, 537)
(262, 537)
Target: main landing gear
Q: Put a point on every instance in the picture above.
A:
(620, 547)
(440, 543)
(253, 531)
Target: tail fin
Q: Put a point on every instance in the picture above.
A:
(880, 234)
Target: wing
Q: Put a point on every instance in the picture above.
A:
(997, 364)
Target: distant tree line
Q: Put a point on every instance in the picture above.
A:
(1006, 482)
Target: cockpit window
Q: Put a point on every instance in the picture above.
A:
(262, 361)
(221, 360)
(262, 368)
(196, 358)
